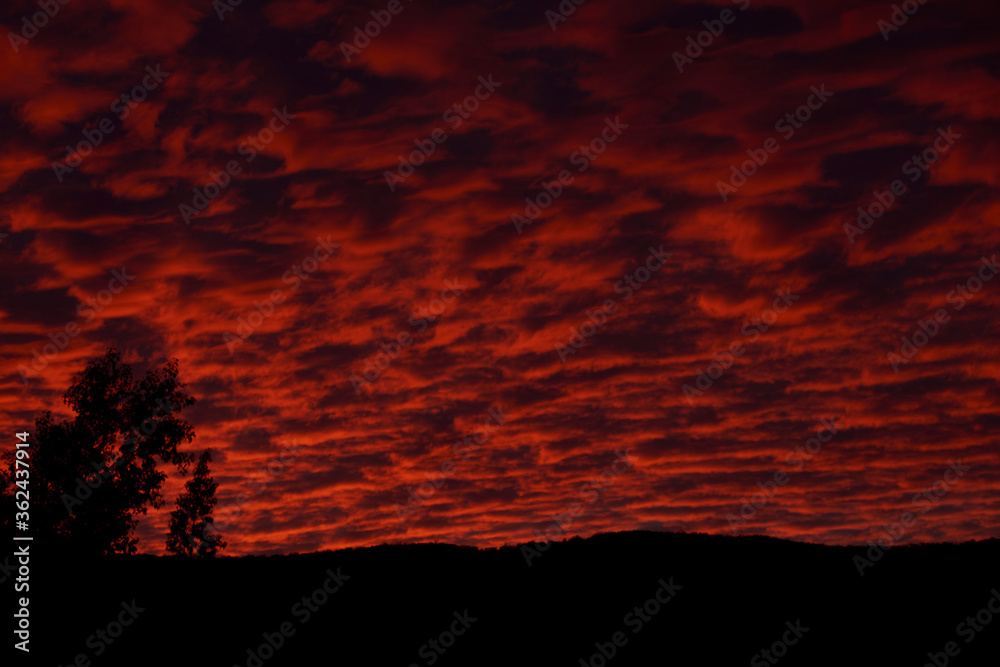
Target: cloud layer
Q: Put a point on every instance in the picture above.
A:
(611, 140)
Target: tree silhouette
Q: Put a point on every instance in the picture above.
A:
(189, 523)
(93, 475)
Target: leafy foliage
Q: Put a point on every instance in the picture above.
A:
(93, 475)
(189, 523)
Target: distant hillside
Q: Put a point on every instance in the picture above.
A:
(722, 601)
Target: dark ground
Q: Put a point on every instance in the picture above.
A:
(734, 598)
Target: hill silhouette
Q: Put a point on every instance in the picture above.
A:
(719, 600)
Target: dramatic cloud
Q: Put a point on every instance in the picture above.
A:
(617, 232)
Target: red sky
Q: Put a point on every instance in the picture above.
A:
(495, 344)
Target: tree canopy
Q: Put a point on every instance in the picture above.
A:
(94, 474)
(190, 523)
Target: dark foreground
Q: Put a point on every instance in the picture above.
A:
(637, 598)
